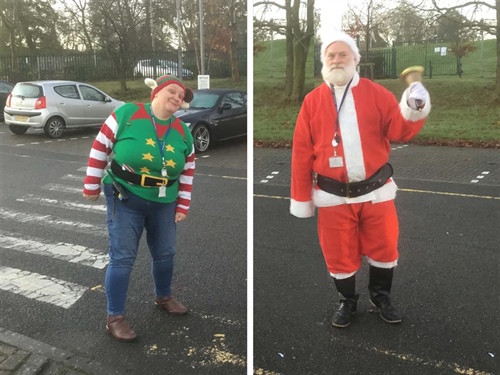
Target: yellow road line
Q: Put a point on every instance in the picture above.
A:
(215, 175)
(407, 191)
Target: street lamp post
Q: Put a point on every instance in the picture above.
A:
(202, 48)
(179, 51)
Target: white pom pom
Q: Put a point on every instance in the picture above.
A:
(151, 83)
(184, 105)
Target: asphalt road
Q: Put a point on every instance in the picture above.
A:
(41, 208)
(446, 284)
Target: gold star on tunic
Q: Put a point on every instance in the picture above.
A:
(170, 163)
(145, 170)
(147, 156)
(150, 142)
(169, 148)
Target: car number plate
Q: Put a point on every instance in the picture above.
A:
(21, 118)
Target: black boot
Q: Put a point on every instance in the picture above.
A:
(380, 287)
(348, 301)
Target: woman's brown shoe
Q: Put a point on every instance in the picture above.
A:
(171, 305)
(119, 329)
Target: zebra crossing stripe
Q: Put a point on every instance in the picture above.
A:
(31, 198)
(74, 226)
(63, 251)
(40, 287)
(62, 188)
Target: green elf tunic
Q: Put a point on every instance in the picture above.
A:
(131, 134)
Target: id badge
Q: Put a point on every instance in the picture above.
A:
(162, 191)
(336, 162)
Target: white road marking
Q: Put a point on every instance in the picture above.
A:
(480, 177)
(49, 220)
(62, 188)
(72, 177)
(40, 287)
(30, 198)
(63, 251)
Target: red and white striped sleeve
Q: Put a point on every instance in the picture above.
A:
(98, 158)
(186, 184)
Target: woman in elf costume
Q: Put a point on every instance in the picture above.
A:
(148, 186)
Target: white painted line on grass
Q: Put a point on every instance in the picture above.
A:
(40, 287)
(63, 251)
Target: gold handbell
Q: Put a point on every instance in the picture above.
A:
(412, 74)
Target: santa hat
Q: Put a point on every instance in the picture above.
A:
(163, 82)
(340, 37)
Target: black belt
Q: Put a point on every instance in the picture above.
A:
(139, 179)
(356, 189)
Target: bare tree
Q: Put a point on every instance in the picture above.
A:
(298, 34)
(76, 16)
(119, 22)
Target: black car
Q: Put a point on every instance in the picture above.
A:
(5, 90)
(215, 115)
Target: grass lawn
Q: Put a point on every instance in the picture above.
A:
(463, 109)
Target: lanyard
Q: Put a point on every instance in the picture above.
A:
(161, 142)
(336, 137)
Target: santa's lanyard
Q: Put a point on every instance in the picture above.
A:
(336, 137)
(161, 143)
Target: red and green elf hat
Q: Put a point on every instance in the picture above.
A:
(163, 82)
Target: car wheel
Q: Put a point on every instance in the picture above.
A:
(201, 136)
(18, 129)
(54, 128)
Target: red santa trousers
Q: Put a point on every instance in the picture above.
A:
(349, 231)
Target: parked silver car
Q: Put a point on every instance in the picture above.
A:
(145, 68)
(56, 106)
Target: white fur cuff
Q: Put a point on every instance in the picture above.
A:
(412, 114)
(301, 209)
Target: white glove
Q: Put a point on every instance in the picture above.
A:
(417, 96)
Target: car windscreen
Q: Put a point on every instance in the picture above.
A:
(203, 100)
(27, 90)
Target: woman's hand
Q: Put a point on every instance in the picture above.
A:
(91, 197)
(179, 216)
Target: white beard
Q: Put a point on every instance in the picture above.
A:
(339, 76)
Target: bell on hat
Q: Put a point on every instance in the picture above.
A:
(163, 82)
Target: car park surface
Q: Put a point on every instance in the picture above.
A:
(56, 106)
(215, 115)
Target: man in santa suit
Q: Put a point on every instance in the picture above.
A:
(340, 164)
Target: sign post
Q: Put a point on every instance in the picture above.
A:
(203, 82)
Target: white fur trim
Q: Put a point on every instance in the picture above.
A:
(412, 114)
(382, 194)
(150, 82)
(351, 139)
(341, 276)
(382, 264)
(340, 37)
(184, 105)
(301, 209)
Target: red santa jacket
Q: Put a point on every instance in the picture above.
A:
(369, 119)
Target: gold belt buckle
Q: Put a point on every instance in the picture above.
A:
(163, 182)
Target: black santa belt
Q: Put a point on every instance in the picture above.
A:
(139, 179)
(356, 189)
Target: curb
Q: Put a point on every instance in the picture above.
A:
(21, 355)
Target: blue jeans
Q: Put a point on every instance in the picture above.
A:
(126, 222)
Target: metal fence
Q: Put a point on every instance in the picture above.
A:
(99, 66)
(381, 63)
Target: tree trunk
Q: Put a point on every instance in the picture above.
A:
(235, 71)
(497, 88)
(289, 50)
